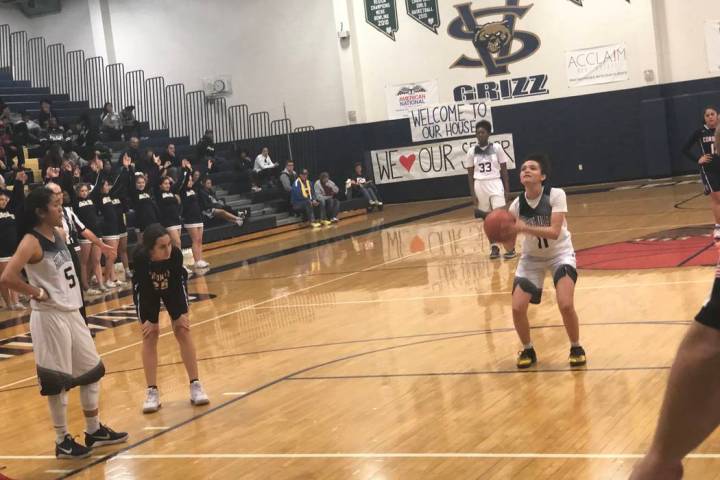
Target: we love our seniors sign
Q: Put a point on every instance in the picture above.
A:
(433, 160)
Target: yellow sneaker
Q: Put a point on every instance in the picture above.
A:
(577, 357)
(316, 225)
(526, 358)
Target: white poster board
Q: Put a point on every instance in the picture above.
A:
(407, 96)
(597, 65)
(447, 120)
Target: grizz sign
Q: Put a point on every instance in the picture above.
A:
(433, 160)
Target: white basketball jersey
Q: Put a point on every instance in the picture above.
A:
(55, 274)
(487, 161)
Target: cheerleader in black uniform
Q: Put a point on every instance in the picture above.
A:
(11, 205)
(90, 254)
(192, 214)
(146, 210)
(168, 202)
(700, 149)
(121, 199)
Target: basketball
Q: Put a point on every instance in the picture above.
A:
(497, 226)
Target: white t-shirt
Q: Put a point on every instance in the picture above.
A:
(539, 214)
(263, 163)
(487, 161)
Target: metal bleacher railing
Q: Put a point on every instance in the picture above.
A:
(183, 114)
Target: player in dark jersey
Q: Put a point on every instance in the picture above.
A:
(192, 214)
(64, 351)
(160, 275)
(11, 207)
(700, 149)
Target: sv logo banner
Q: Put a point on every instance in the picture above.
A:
(493, 41)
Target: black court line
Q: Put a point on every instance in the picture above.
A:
(13, 322)
(697, 254)
(290, 376)
(680, 204)
(479, 372)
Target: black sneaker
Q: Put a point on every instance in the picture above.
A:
(104, 436)
(526, 358)
(510, 254)
(69, 449)
(577, 357)
(494, 252)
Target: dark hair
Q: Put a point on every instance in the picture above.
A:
(710, 107)
(485, 125)
(542, 160)
(81, 185)
(105, 106)
(38, 199)
(324, 175)
(150, 235)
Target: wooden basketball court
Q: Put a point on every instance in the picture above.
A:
(390, 354)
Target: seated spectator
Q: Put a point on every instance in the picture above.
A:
(242, 162)
(45, 114)
(287, 180)
(213, 208)
(325, 192)
(133, 151)
(358, 185)
(171, 162)
(130, 125)
(264, 169)
(111, 123)
(205, 148)
(304, 201)
(52, 159)
(26, 131)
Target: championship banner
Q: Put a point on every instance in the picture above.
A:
(425, 12)
(450, 120)
(712, 43)
(593, 66)
(434, 160)
(382, 14)
(402, 98)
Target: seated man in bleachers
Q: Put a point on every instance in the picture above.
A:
(45, 114)
(325, 192)
(171, 162)
(130, 125)
(358, 185)
(133, 151)
(304, 201)
(265, 170)
(111, 123)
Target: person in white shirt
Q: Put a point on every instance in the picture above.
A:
(488, 180)
(263, 169)
(540, 217)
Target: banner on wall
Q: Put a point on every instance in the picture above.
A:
(403, 98)
(712, 43)
(597, 65)
(425, 12)
(433, 160)
(447, 120)
(382, 14)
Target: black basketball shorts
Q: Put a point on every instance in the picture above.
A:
(175, 299)
(710, 179)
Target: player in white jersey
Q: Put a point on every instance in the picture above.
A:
(65, 354)
(488, 179)
(547, 245)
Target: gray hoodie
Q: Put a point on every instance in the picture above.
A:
(320, 191)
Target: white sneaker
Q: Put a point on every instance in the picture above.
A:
(17, 306)
(128, 274)
(201, 264)
(334, 220)
(197, 394)
(110, 285)
(240, 221)
(152, 401)
(93, 291)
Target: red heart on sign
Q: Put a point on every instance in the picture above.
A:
(408, 161)
(417, 244)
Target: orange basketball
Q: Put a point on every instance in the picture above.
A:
(498, 225)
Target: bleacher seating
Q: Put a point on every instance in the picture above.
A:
(268, 208)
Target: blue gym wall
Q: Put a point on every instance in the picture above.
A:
(621, 135)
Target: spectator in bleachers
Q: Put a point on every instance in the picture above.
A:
(264, 169)
(45, 114)
(213, 208)
(133, 151)
(205, 148)
(52, 159)
(130, 125)
(287, 180)
(325, 193)
(242, 162)
(111, 123)
(304, 201)
(11, 209)
(171, 162)
(358, 185)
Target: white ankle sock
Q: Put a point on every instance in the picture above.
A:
(528, 346)
(58, 413)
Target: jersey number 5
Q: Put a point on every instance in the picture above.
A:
(70, 277)
(485, 167)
